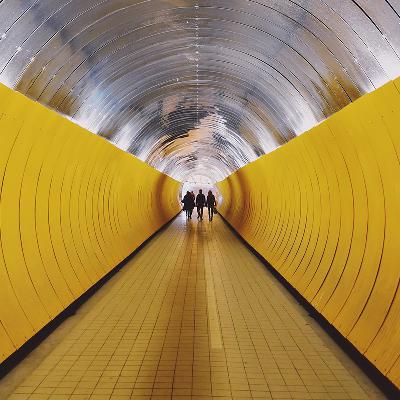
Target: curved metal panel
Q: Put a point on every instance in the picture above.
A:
(198, 86)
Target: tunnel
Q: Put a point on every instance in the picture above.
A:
(288, 111)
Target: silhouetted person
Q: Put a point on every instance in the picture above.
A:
(188, 204)
(211, 204)
(192, 205)
(200, 203)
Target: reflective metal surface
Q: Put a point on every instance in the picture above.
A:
(198, 87)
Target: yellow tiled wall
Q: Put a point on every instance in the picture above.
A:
(324, 210)
(72, 206)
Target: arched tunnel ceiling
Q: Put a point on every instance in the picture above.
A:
(198, 87)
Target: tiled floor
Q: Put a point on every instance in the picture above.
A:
(194, 316)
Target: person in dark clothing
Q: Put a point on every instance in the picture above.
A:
(200, 203)
(211, 204)
(192, 204)
(188, 205)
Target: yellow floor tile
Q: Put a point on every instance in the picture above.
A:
(194, 315)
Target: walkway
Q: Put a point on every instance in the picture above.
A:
(193, 316)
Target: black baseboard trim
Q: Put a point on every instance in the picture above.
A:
(14, 359)
(381, 381)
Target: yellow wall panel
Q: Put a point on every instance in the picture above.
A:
(28, 231)
(19, 274)
(7, 346)
(72, 206)
(45, 248)
(72, 277)
(322, 255)
(324, 210)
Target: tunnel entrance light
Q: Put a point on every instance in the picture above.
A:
(197, 182)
